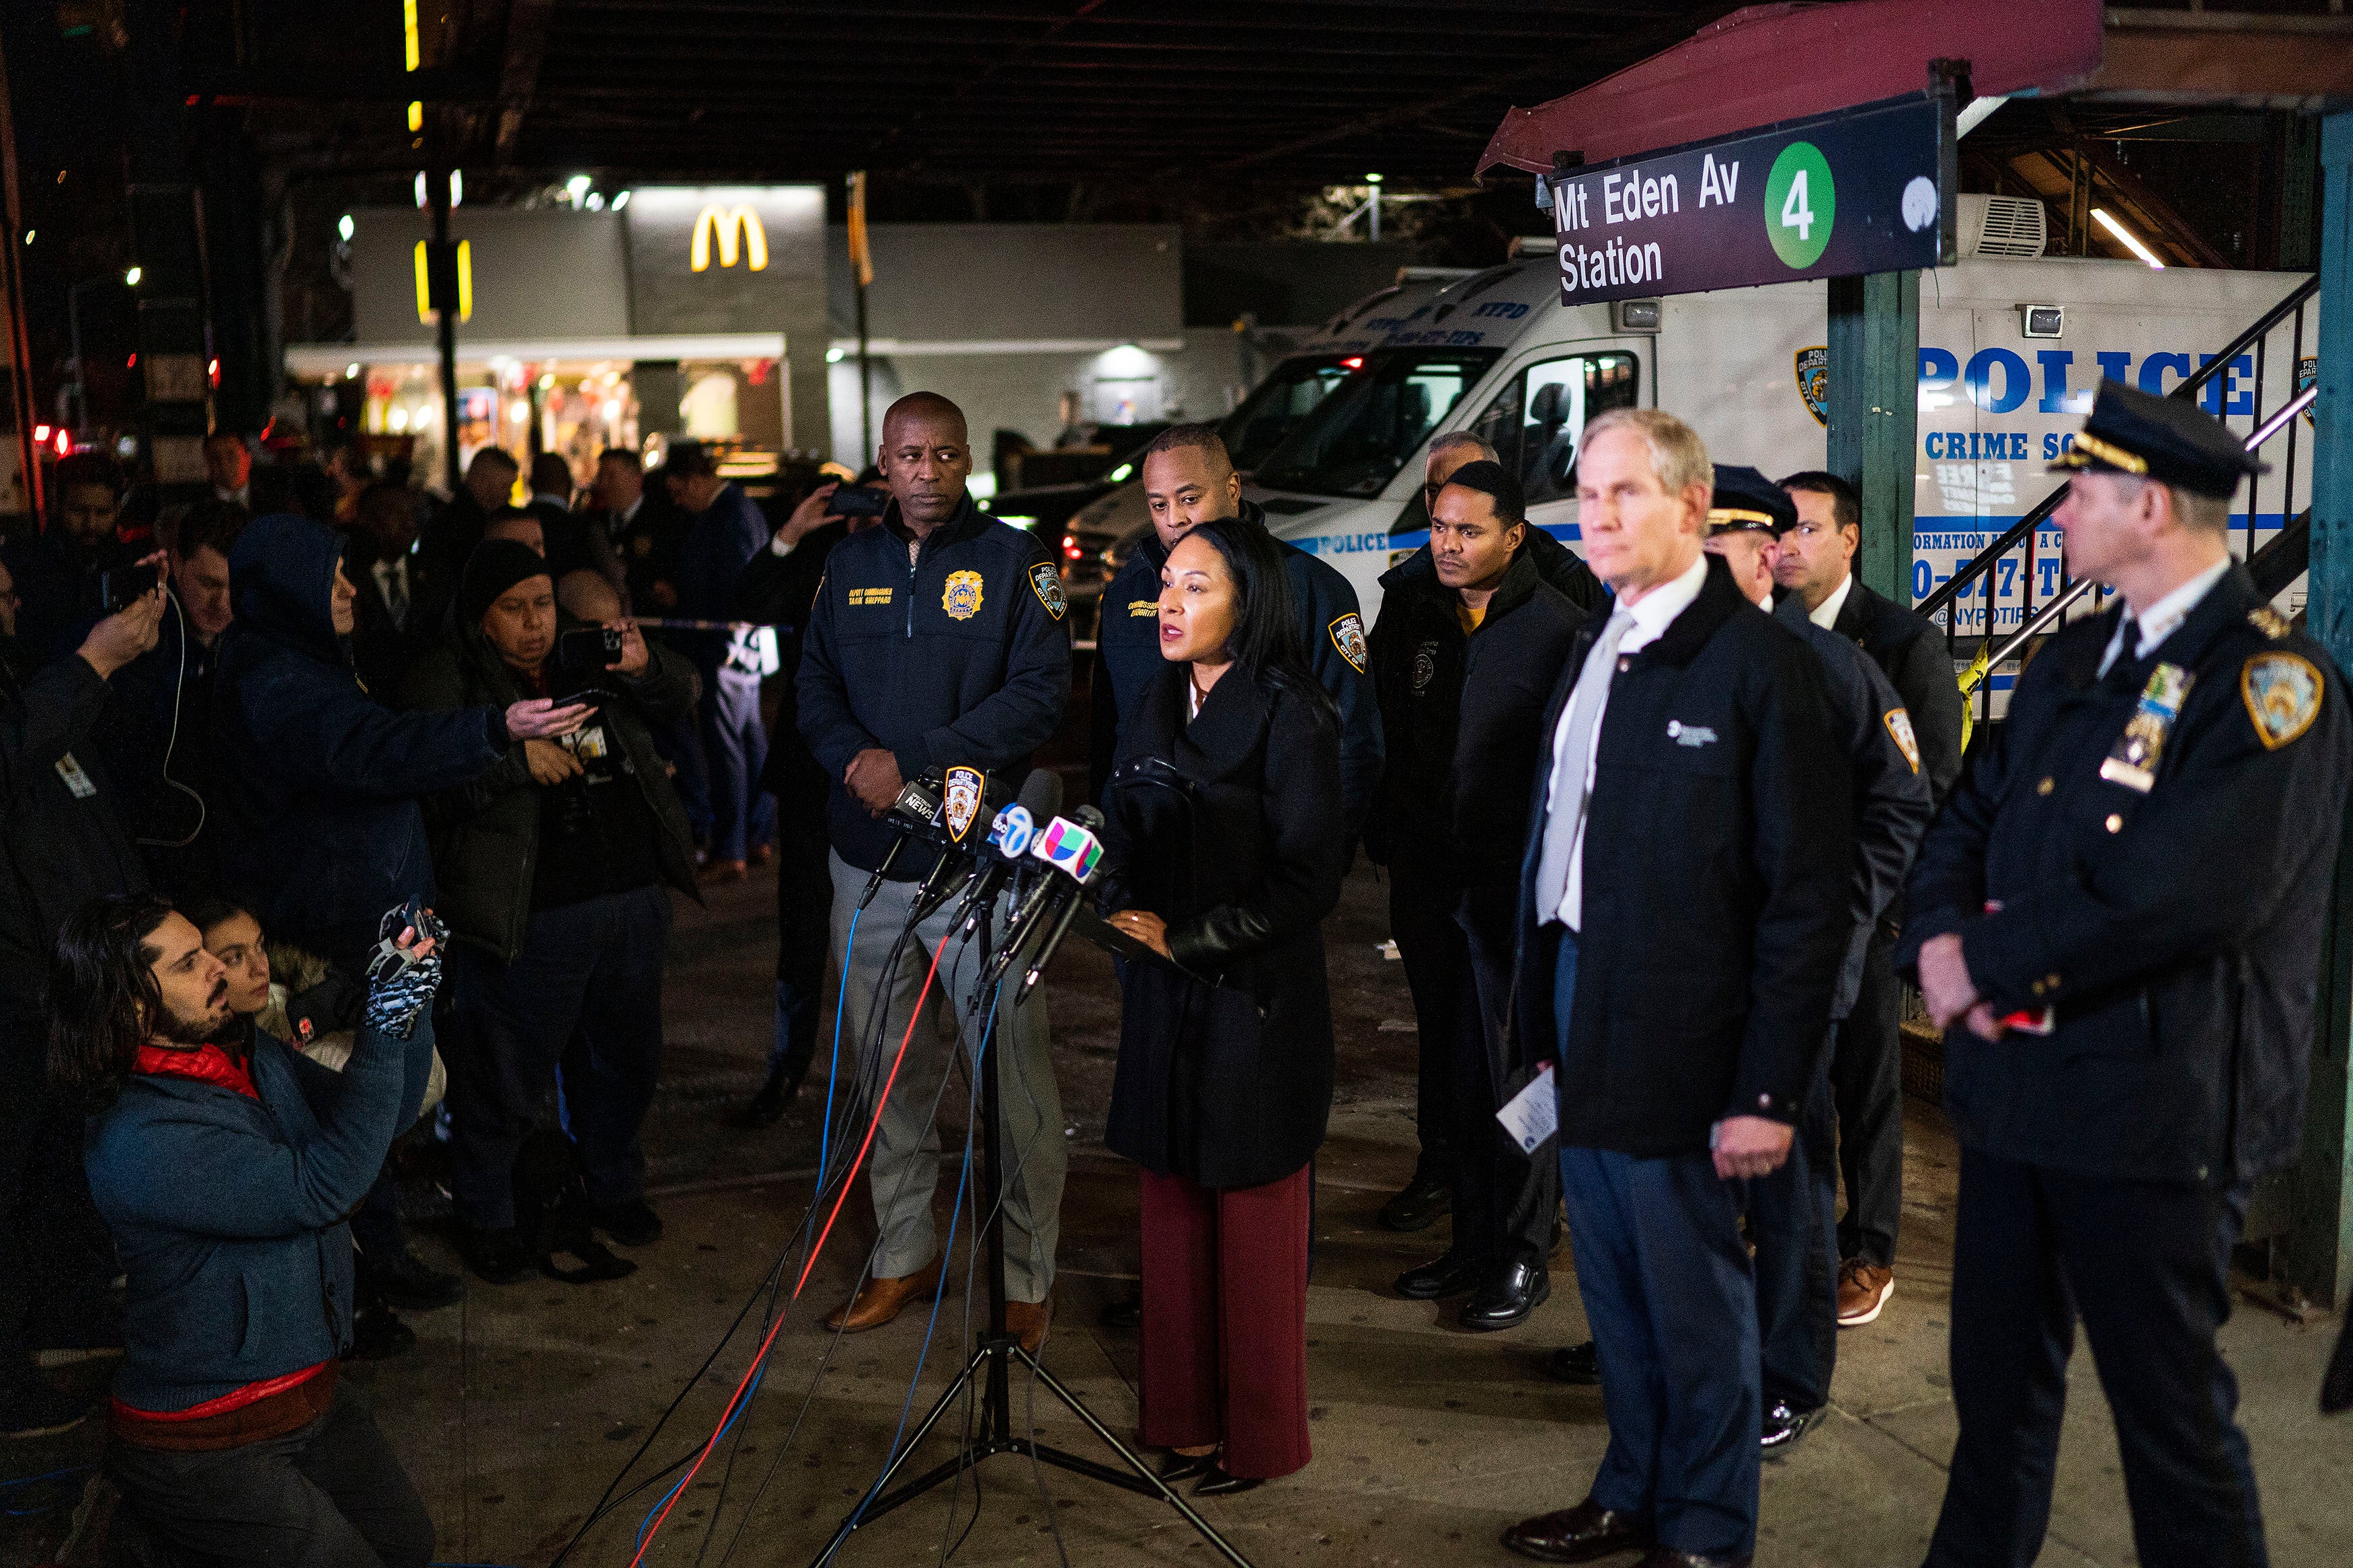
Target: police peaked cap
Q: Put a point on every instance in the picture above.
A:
(2169, 439)
(1746, 501)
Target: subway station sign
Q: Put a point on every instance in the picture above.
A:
(1858, 191)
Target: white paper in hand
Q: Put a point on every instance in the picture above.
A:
(1532, 1115)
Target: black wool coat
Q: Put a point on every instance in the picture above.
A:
(1229, 827)
(1718, 860)
(1459, 716)
(2174, 933)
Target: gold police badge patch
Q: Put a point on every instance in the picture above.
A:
(961, 803)
(1349, 636)
(1899, 730)
(1046, 584)
(961, 598)
(2283, 694)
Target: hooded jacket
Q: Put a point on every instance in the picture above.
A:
(317, 812)
(485, 833)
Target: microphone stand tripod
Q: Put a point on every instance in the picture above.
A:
(992, 1364)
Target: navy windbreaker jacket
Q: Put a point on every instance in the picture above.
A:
(955, 655)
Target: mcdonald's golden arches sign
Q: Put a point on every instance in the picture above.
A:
(736, 230)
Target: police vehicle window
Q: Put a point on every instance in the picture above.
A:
(1288, 394)
(1357, 439)
(1536, 422)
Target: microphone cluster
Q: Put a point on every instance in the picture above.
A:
(1047, 861)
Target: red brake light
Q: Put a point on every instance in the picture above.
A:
(1355, 363)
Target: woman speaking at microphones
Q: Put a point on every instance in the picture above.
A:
(1225, 823)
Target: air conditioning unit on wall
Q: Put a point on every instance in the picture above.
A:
(2001, 226)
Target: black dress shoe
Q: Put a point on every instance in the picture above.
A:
(1507, 1298)
(1185, 1466)
(1419, 1207)
(1578, 1534)
(631, 1223)
(496, 1256)
(1127, 1313)
(1668, 1557)
(1784, 1426)
(1217, 1483)
(403, 1279)
(767, 1104)
(1449, 1274)
(1579, 1365)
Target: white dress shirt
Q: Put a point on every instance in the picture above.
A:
(1652, 613)
(1825, 615)
(2164, 618)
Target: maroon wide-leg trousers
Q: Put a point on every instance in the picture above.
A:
(1225, 1320)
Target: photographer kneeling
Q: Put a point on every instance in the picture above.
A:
(551, 867)
(224, 1164)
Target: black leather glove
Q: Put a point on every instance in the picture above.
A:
(400, 984)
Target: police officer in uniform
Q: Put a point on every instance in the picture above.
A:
(936, 640)
(1792, 1213)
(2117, 921)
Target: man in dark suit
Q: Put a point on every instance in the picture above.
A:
(1816, 568)
(2117, 922)
(455, 527)
(1683, 908)
(401, 599)
(567, 538)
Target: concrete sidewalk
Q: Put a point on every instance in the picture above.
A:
(519, 1407)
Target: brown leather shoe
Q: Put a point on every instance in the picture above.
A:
(1028, 1318)
(1578, 1534)
(880, 1301)
(1862, 1293)
(1668, 1557)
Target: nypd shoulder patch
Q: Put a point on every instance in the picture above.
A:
(1349, 636)
(2283, 694)
(1046, 584)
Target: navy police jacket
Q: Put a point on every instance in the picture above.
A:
(1893, 796)
(2157, 883)
(1718, 848)
(1331, 633)
(955, 655)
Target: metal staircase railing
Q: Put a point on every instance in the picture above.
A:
(1978, 576)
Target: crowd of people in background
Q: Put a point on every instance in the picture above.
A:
(316, 691)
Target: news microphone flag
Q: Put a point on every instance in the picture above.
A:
(1012, 831)
(1069, 848)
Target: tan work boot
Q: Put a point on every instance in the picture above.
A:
(1028, 1318)
(880, 1301)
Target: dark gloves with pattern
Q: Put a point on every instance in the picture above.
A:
(401, 981)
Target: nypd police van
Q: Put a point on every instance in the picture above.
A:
(2010, 349)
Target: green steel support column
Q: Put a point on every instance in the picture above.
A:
(2320, 1235)
(1874, 343)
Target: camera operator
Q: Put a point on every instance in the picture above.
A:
(61, 844)
(551, 867)
(778, 588)
(937, 640)
(224, 1162)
